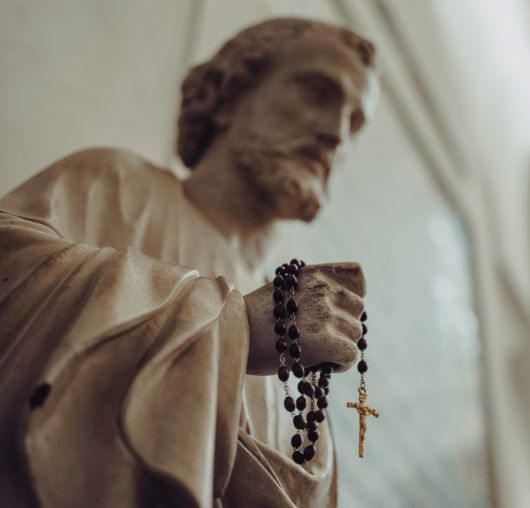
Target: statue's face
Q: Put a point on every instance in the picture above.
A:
(287, 132)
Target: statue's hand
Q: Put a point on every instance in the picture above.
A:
(330, 305)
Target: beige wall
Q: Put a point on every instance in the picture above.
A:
(87, 72)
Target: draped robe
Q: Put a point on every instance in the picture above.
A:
(123, 350)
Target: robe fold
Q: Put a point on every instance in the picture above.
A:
(123, 350)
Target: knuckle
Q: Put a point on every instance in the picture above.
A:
(359, 303)
(341, 293)
(357, 330)
(357, 299)
(350, 328)
(317, 283)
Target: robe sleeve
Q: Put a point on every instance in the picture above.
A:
(120, 378)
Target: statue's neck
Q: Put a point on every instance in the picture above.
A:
(231, 208)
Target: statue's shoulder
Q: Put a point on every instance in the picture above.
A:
(110, 163)
(108, 176)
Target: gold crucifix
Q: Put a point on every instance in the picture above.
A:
(363, 411)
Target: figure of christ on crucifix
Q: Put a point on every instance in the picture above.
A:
(363, 411)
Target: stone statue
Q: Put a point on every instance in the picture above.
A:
(133, 371)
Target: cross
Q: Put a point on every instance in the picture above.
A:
(363, 411)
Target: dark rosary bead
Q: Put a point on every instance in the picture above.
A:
(299, 422)
(281, 345)
(294, 332)
(291, 306)
(321, 416)
(279, 311)
(296, 441)
(283, 373)
(278, 296)
(301, 403)
(309, 452)
(289, 403)
(309, 390)
(313, 435)
(322, 402)
(326, 369)
(285, 282)
(298, 457)
(364, 316)
(365, 329)
(279, 327)
(361, 344)
(295, 350)
(301, 386)
(312, 425)
(319, 392)
(293, 269)
(298, 369)
(362, 366)
(279, 282)
(291, 281)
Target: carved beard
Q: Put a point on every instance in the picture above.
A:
(279, 177)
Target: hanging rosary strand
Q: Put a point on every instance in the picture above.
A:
(360, 406)
(285, 284)
(309, 388)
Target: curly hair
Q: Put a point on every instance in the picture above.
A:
(235, 68)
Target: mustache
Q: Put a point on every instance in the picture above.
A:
(307, 149)
(301, 146)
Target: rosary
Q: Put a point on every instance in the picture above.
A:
(285, 284)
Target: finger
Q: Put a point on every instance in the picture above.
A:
(337, 349)
(329, 345)
(349, 275)
(344, 353)
(347, 301)
(347, 327)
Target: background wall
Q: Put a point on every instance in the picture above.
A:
(434, 205)
(77, 73)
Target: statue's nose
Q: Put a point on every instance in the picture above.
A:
(333, 128)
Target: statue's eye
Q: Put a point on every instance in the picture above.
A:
(315, 90)
(317, 93)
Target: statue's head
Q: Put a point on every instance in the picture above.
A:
(282, 97)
